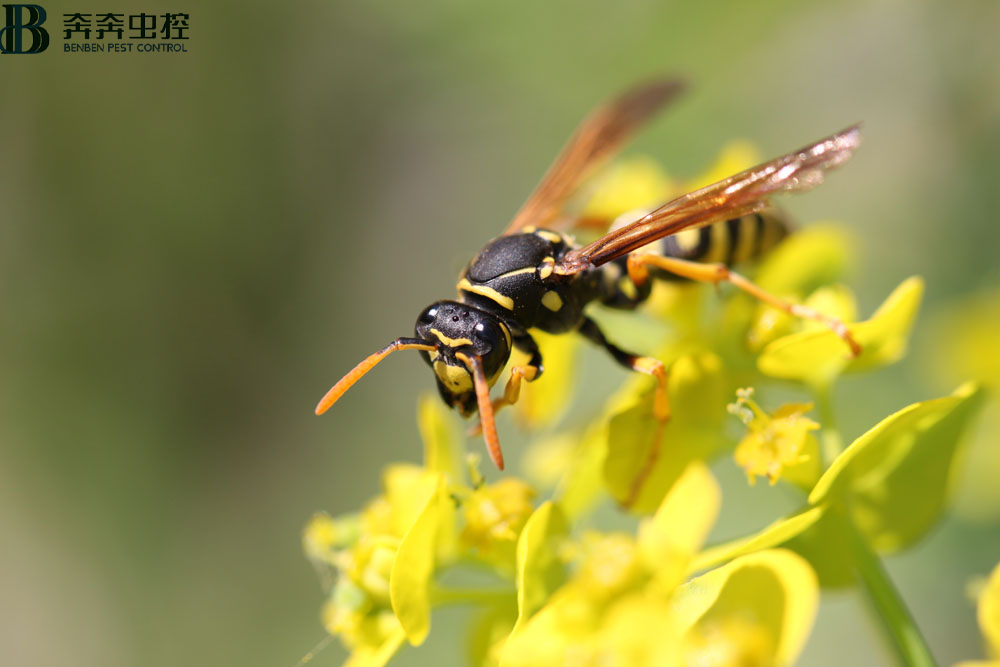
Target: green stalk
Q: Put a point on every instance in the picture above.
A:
(830, 438)
(909, 645)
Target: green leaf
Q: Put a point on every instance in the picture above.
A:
(698, 396)
(413, 567)
(539, 569)
(770, 596)
(817, 357)
(776, 534)
(893, 479)
(826, 546)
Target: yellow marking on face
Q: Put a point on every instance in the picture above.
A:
(718, 246)
(687, 240)
(506, 332)
(627, 287)
(451, 342)
(748, 239)
(456, 378)
(516, 272)
(551, 237)
(552, 301)
(488, 292)
(529, 230)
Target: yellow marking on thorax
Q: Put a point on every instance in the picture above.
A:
(451, 342)
(718, 244)
(457, 378)
(516, 272)
(488, 292)
(552, 301)
(547, 267)
(551, 237)
(748, 239)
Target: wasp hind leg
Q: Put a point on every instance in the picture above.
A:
(661, 398)
(638, 271)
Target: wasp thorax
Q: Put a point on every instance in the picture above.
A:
(460, 332)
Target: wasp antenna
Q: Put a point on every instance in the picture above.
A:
(475, 365)
(369, 363)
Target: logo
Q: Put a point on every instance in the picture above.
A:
(12, 36)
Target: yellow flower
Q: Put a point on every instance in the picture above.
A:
(989, 622)
(624, 604)
(782, 442)
(494, 515)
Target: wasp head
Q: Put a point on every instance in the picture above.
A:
(460, 332)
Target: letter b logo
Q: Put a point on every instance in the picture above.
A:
(11, 36)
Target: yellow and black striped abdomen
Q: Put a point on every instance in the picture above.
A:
(731, 242)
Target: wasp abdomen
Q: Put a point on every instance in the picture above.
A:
(731, 242)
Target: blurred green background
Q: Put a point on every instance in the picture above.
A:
(193, 247)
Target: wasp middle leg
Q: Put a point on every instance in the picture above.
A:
(661, 398)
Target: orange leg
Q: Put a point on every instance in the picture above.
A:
(661, 399)
(511, 392)
(638, 271)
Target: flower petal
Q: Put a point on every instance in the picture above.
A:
(414, 565)
(670, 538)
(989, 613)
(776, 534)
(817, 357)
(763, 602)
(539, 570)
(444, 447)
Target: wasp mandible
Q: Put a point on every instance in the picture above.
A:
(534, 276)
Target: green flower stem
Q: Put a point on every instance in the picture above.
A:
(476, 596)
(902, 631)
(830, 438)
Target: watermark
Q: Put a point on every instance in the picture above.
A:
(101, 32)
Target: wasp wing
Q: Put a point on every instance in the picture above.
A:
(598, 138)
(738, 195)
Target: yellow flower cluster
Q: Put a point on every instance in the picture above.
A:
(560, 591)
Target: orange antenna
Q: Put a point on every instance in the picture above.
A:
(475, 365)
(358, 371)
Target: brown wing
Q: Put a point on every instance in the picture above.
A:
(600, 135)
(743, 193)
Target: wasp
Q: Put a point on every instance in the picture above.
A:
(534, 276)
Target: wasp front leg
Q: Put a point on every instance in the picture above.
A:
(529, 372)
(716, 273)
(520, 372)
(661, 398)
